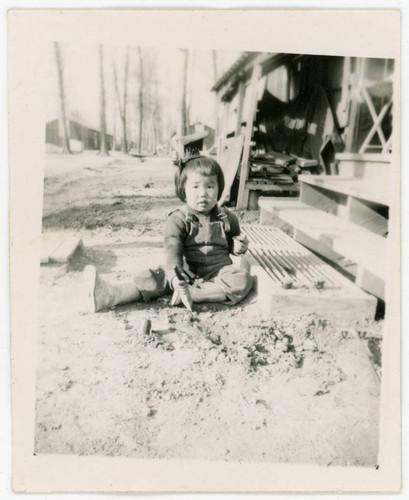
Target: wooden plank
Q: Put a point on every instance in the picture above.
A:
(222, 138)
(275, 257)
(270, 186)
(366, 249)
(353, 114)
(229, 163)
(368, 215)
(267, 218)
(368, 367)
(316, 246)
(240, 107)
(241, 202)
(370, 283)
(364, 157)
(272, 204)
(323, 199)
(347, 186)
(48, 245)
(66, 249)
(370, 171)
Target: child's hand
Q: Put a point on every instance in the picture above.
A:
(240, 244)
(178, 284)
(181, 293)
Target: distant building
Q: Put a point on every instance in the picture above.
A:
(82, 137)
(208, 141)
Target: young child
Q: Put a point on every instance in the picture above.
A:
(199, 239)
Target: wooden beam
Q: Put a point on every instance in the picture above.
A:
(376, 128)
(374, 114)
(387, 145)
(248, 135)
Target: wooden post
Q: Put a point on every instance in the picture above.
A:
(342, 111)
(255, 77)
(220, 125)
(356, 84)
(239, 108)
(223, 132)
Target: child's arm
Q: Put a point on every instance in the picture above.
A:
(175, 234)
(238, 243)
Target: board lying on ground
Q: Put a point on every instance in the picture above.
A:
(292, 280)
(58, 248)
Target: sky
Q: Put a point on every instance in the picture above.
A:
(81, 83)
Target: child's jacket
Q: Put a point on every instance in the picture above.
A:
(204, 240)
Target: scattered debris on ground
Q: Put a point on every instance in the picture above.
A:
(154, 381)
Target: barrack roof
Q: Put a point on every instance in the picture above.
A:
(244, 59)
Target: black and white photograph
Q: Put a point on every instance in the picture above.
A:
(214, 276)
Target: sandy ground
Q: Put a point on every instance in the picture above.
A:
(220, 384)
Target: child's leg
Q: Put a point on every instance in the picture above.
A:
(208, 291)
(101, 294)
(235, 282)
(230, 283)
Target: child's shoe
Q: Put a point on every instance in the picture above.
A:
(99, 294)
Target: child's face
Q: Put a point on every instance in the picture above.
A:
(201, 192)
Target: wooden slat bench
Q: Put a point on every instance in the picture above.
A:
(292, 280)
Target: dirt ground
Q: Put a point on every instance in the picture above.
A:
(220, 384)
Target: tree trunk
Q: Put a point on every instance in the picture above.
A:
(141, 88)
(124, 141)
(114, 132)
(154, 121)
(185, 118)
(125, 103)
(103, 143)
(122, 106)
(215, 71)
(216, 95)
(65, 138)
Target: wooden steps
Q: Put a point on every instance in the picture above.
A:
(332, 237)
(349, 186)
(340, 216)
(292, 280)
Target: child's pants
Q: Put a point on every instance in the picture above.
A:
(234, 281)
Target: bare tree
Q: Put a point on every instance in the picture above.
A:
(184, 110)
(65, 138)
(114, 131)
(123, 105)
(216, 99)
(154, 117)
(141, 90)
(103, 145)
(215, 70)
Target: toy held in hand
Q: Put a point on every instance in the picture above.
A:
(180, 285)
